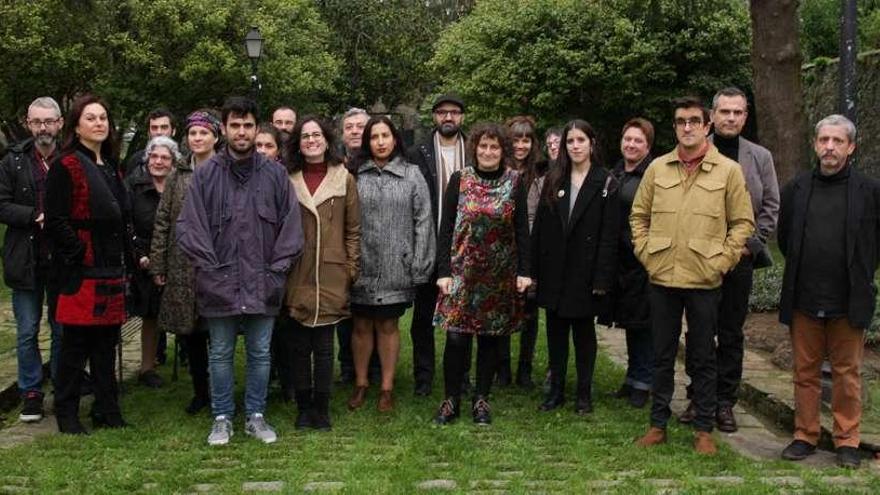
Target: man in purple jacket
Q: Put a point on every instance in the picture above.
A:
(240, 227)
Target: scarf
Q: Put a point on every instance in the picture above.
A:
(445, 170)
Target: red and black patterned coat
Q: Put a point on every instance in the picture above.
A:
(86, 219)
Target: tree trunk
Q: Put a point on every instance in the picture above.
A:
(779, 102)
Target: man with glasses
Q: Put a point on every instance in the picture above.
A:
(690, 220)
(284, 119)
(26, 261)
(437, 159)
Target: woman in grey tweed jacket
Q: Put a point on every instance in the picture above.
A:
(397, 253)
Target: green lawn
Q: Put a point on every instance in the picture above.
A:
(372, 453)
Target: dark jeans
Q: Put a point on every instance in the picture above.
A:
(700, 307)
(97, 344)
(527, 340)
(640, 358)
(732, 312)
(346, 360)
(421, 331)
(312, 357)
(196, 345)
(583, 335)
(457, 356)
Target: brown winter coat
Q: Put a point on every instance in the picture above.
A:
(318, 285)
(177, 309)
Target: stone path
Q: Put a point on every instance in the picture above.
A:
(761, 435)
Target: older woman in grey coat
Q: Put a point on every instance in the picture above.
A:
(397, 253)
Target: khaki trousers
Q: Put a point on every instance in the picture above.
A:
(812, 339)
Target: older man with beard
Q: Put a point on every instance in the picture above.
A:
(26, 263)
(437, 159)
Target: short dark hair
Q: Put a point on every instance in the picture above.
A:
(643, 125)
(160, 112)
(691, 102)
(293, 157)
(366, 153)
(239, 106)
(268, 128)
(493, 131)
(729, 92)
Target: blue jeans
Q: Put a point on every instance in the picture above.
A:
(257, 338)
(27, 306)
(640, 358)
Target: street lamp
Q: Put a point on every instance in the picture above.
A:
(253, 44)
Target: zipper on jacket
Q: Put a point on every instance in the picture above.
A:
(317, 266)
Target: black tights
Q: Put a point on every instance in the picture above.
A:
(197, 354)
(456, 357)
(583, 334)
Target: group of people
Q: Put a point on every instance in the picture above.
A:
(278, 232)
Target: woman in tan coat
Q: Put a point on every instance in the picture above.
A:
(318, 286)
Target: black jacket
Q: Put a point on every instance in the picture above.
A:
(571, 257)
(424, 156)
(862, 242)
(18, 210)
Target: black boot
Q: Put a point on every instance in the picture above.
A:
(304, 409)
(197, 404)
(449, 411)
(71, 426)
(321, 412)
(555, 397)
(584, 403)
(109, 420)
(623, 392)
(524, 375)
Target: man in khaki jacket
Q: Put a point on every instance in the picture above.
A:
(690, 220)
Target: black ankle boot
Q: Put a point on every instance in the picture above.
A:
(321, 412)
(524, 375)
(304, 409)
(584, 403)
(110, 420)
(71, 426)
(555, 397)
(449, 411)
(197, 404)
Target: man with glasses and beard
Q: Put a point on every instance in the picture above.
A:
(26, 261)
(437, 159)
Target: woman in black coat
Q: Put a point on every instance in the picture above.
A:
(574, 249)
(632, 310)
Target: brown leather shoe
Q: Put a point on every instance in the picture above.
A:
(704, 444)
(725, 419)
(386, 402)
(655, 436)
(687, 417)
(358, 397)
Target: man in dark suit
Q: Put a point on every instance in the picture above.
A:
(829, 233)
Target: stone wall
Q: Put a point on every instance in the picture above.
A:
(821, 98)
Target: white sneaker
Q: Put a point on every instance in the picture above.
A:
(257, 427)
(221, 431)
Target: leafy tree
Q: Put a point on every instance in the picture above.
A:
(605, 61)
(820, 27)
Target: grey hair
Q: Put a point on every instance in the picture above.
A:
(729, 92)
(46, 102)
(837, 119)
(165, 142)
(351, 112)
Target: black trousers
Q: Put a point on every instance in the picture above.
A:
(732, 312)
(457, 356)
(421, 331)
(344, 330)
(700, 307)
(312, 357)
(196, 345)
(97, 344)
(527, 340)
(583, 335)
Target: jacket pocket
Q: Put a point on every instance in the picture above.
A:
(665, 200)
(656, 255)
(274, 284)
(708, 265)
(216, 287)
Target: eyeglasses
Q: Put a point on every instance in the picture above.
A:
(164, 158)
(314, 135)
(40, 123)
(693, 122)
(451, 113)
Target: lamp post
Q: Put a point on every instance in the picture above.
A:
(253, 44)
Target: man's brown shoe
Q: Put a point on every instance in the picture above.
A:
(704, 444)
(358, 397)
(655, 436)
(386, 402)
(687, 417)
(725, 419)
